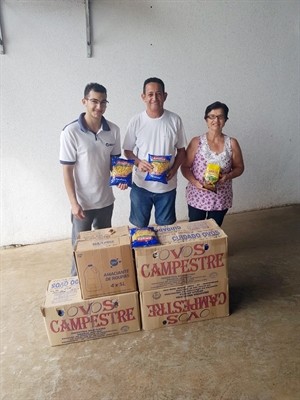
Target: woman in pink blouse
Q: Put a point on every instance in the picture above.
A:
(216, 148)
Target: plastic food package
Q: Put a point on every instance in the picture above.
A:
(141, 237)
(121, 171)
(211, 177)
(160, 166)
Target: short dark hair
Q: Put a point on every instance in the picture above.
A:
(216, 105)
(155, 80)
(95, 87)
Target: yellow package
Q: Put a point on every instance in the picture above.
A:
(211, 177)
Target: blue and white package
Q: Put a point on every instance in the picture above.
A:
(121, 171)
(141, 237)
(160, 166)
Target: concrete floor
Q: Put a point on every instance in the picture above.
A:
(252, 354)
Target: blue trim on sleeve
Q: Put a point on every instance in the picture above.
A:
(67, 162)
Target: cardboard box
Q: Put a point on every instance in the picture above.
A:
(104, 262)
(189, 252)
(68, 318)
(184, 304)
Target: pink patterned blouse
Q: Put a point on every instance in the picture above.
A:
(208, 200)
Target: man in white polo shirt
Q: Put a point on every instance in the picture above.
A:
(158, 132)
(86, 148)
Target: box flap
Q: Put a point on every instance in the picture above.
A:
(190, 231)
(102, 238)
(62, 291)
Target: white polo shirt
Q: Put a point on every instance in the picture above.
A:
(158, 136)
(90, 153)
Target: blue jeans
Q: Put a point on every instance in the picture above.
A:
(197, 215)
(96, 219)
(142, 202)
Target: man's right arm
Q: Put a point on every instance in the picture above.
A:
(70, 188)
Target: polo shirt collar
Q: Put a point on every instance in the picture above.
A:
(104, 123)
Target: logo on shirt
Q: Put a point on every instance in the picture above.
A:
(109, 144)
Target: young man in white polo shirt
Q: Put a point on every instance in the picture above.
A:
(159, 132)
(86, 148)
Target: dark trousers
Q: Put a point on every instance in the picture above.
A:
(197, 215)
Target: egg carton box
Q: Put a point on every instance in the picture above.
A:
(69, 318)
(187, 253)
(178, 305)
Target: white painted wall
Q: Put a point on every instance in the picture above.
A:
(245, 54)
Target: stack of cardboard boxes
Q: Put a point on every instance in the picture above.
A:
(103, 299)
(183, 279)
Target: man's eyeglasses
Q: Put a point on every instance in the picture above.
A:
(96, 102)
(220, 117)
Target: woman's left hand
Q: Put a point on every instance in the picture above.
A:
(223, 178)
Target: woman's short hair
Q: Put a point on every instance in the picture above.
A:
(215, 106)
